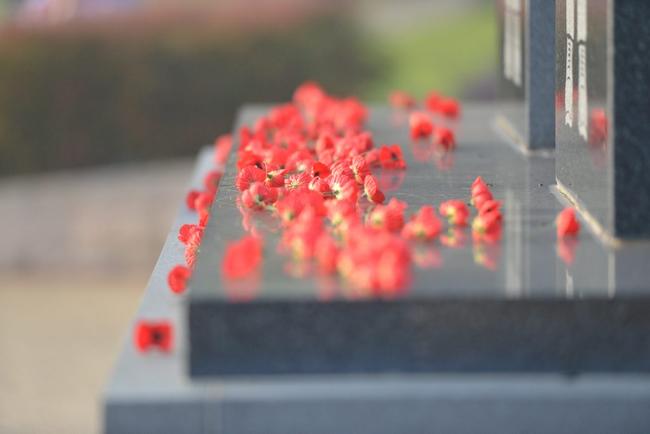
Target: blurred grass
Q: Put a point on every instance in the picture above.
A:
(436, 53)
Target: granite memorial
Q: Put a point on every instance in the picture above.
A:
(527, 333)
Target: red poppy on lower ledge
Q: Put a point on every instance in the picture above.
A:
(150, 335)
(567, 224)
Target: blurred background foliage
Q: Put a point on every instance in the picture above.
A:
(139, 82)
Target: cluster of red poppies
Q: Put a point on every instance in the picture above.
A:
(310, 164)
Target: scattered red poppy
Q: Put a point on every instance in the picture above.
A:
(388, 217)
(149, 335)
(190, 199)
(390, 157)
(445, 138)
(480, 193)
(187, 231)
(321, 186)
(204, 201)
(490, 206)
(487, 227)
(455, 211)
(421, 125)
(449, 107)
(343, 187)
(192, 248)
(424, 225)
(248, 175)
(566, 223)
(432, 100)
(360, 168)
(297, 180)
(242, 257)
(320, 170)
(371, 190)
(259, 196)
(178, 277)
(402, 100)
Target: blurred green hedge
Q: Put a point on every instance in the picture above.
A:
(75, 98)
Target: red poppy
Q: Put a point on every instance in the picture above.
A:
(360, 168)
(274, 176)
(320, 170)
(478, 182)
(371, 190)
(190, 199)
(259, 196)
(423, 226)
(449, 107)
(343, 187)
(401, 99)
(187, 231)
(178, 277)
(421, 125)
(297, 180)
(566, 223)
(388, 217)
(242, 257)
(249, 175)
(149, 335)
(444, 137)
(455, 211)
(490, 206)
(487, 227)
(390, 157)
(248, 158)
(321, 186)
(432, 101)
(203, 202)
(192, 248)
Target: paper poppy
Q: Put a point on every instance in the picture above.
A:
(178, 277)
(455, 211)
(371, 190)
(150, 335)
(390, 157)
(566, 223)
(424, 225)
(421, 125)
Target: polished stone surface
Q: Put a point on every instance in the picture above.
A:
(526, 71)
(521, 283)
(155, 392)
(603, 108)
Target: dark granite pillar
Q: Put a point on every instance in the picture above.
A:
(526, 71)
(603, 96)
